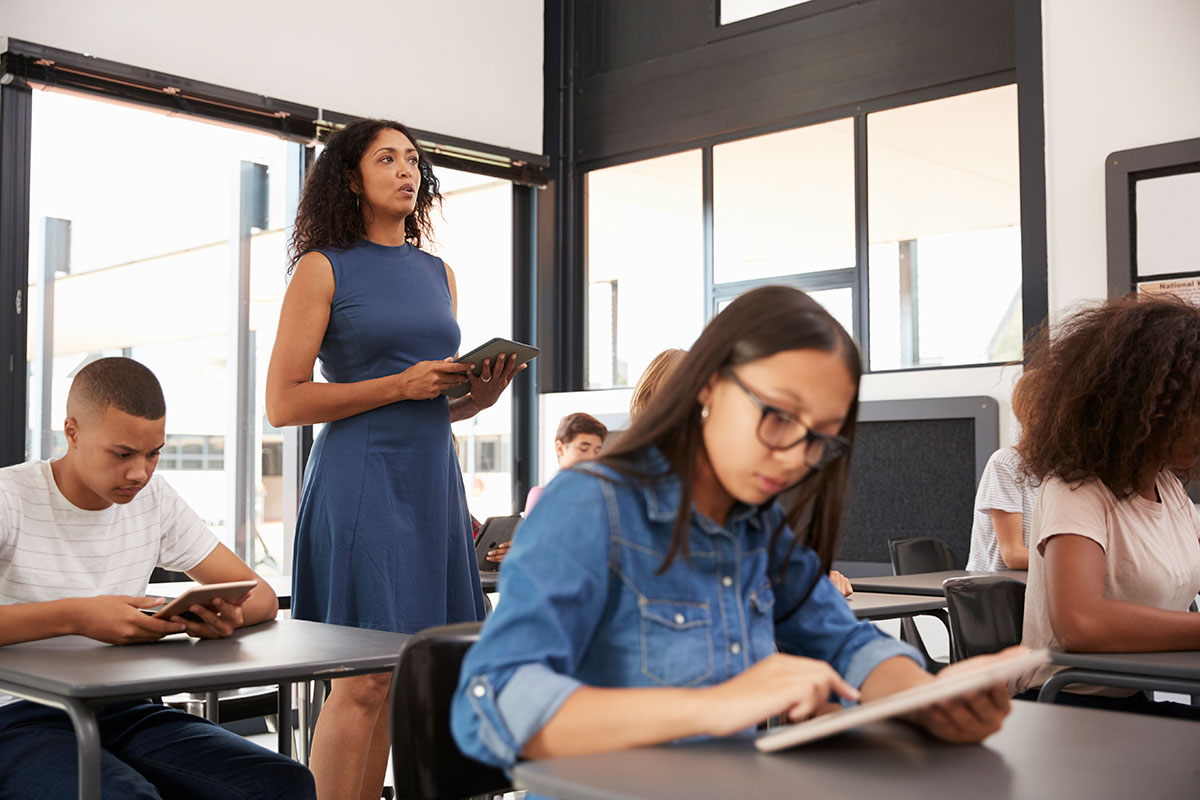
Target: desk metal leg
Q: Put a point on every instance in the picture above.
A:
(285, 719)
(1121, 680)
(87, 743)
(212, 707)
(302, 723)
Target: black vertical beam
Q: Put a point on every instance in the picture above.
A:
(525, 320)
(706, 192)
(1031, 132)
(16, 121)
(563, 367)
(862, 243)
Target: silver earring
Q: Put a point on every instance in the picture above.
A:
(704, 412)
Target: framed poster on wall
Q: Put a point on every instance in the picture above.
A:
(1153, 218)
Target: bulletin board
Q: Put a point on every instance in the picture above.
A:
(1153, 219)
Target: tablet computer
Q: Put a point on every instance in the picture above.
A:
(202, 595)
(495, 531)
(491, 349)
(901, 702)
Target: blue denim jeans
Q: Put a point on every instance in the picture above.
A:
(147, 751)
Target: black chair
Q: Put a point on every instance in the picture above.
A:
(427, 763)
(986, 614)
(913, 555)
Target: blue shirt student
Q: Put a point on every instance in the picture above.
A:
(583, 605)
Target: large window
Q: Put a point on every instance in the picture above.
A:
(473, 234)
(945, 211)
(935, 243)
(132, 219)
(645, 250)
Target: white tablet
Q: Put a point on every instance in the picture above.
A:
(901, 702)
(202, 595)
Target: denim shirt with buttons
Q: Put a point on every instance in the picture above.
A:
(581, 603)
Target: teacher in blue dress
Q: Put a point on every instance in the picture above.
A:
(383, 536)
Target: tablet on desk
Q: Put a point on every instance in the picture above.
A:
(203, 595)
(495, 531)
(901, 702)
(489, 350)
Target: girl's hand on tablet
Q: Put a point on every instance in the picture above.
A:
(118, 619)
(972, 717)
(216, 622)
(779, 684)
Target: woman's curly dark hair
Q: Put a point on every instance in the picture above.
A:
(329, 214)
(1111, 392)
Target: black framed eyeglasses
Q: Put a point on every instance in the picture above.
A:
(780, 430)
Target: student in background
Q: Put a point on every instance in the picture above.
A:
(657, 618)
(79, 537)
(1003, 514)
(579, 438)
(1111, 410)
(653, 378)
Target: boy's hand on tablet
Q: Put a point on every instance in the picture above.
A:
(972, 717)
(118, 619)
(216, 622)
(779, 684)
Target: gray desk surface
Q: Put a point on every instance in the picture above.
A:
(283, 650)
(1042, 751)
(1183, 664)
(877, 605)
(925, 583)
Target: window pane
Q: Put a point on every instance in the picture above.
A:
(733, 10)
(838, 302)
(645, 264)
(784, 203)
(474, 236)
(130, 237)
(945, 242)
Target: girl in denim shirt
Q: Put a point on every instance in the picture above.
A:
(647, 595)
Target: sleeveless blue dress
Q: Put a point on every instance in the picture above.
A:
(383, 537)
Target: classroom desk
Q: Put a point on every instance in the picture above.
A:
(1159, 672)
(926, 583)
(876, 605)
(78, 675)
(1042, 751)
(282, 584)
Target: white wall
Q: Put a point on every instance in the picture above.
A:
(466, 68)
(1118, 75)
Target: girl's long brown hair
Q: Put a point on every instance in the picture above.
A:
(758, 324)
(1111, 391)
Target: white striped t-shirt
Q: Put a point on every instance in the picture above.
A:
(1003, 486)
(50, 549)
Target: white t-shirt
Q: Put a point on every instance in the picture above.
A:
(1151, 554)
(1003, 487)
(50, 549)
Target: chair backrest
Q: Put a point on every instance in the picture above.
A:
(426, 761)
(917, 554)
(986, 613)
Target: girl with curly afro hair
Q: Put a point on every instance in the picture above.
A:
(383, 535)
(1110, 412)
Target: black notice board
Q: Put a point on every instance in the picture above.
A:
(911, 477)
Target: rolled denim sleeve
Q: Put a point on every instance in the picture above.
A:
(822, 625)
(552, 586)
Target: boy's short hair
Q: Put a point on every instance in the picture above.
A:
(120, 383)
(573, 425)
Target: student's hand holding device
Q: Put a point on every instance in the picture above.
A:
(426, 379)
(217, 621)
(119, 619)
(500, 552)
(972, 717)
(779, 684)
(487, 387)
